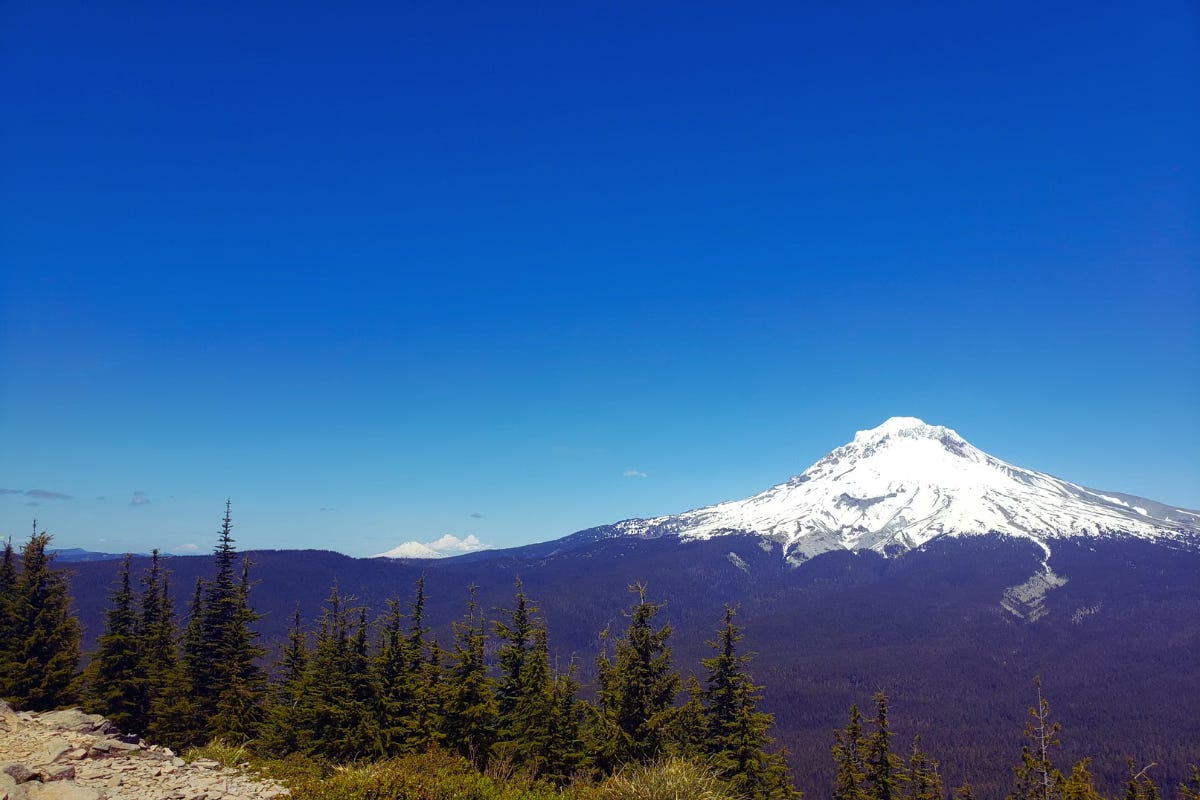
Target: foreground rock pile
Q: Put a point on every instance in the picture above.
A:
(69, 755)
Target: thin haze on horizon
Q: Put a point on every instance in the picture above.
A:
(484, 275)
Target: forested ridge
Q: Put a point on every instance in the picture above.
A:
(362, 688)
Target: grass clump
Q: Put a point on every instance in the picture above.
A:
(429, 776)
(669, 779)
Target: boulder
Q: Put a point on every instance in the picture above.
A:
(17, 771)
(73, 719)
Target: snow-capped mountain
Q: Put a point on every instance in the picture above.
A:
(905, 482)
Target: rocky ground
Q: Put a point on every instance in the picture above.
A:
(69, 755)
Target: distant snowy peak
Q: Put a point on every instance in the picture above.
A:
(905, 482)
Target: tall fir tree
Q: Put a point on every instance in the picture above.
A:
(885, 771)
(736, 739)
(848, 746)
(637, 691)
(398, 669)
(1036, 777)
(565, 747)
(239, 711)
(156, 636)
(281, 730)
(336, 716)
(514, 631)
(470, 714)
(8, 622)
(43, 656)
(176, 713)
(115, 678)
(924, 782)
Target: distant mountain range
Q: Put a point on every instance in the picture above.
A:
(906, 560)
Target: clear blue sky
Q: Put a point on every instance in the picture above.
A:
(385, 272)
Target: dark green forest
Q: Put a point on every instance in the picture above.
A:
(375, 689)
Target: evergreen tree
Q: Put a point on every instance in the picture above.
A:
(1036, 776)
(883, 768)
(470, 721)
(399, 674)
(8, 621)
(282, 724)
(637, 691)
(433, 702)
(735, 731)
(116, 681)
(43, 656)
(848, 747)
(156, 638)
(1079, 785)
(1190, 789)
(565, 748)
(1139, 786)
(515, 633)
(335, 714)
(176, 713)
(924, 782)
(239, 710)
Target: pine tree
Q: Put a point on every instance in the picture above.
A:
(848, 747)
(176, 712)
(735, 731)
(470, 722)
(336, 716)
(564, 740)
(280, 732)
(637, 691)
(924, 782)
(8, 622)
(515, 633)
(884, 770)
(1139, 786)
(1079, 785)
(156, 636)
(239, 710)
(115, 677)
(433, 701)
(1190, 789)
(44, 653)
(398, 678)
(1036, 776)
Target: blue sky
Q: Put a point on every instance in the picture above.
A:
(387, 272)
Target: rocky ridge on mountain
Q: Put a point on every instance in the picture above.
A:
(70, 755)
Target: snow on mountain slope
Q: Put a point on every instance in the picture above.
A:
(906, 482)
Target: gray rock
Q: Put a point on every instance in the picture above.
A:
(17, 771)
(73, 719)
(60, 772)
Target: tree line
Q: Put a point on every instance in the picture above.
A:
(359, 689)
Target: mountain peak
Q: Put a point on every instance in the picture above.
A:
(904, 427)
(898, 485)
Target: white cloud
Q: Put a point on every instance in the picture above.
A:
(139, 499)
(634, 473)
(446, 545)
